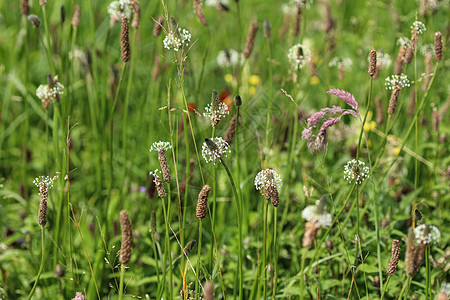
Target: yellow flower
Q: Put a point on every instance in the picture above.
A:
(252, 90)
(228, 78)
(396, 150)
(254, 80)
(314, 80)
(369, 126)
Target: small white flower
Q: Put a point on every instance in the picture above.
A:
(356, 171)
(392, 81)
(117, 8)
(229, 58)
(267, 177)
(340, 62)
(317, 214)
(383, 60)
(216, 2)
(46, 93)
(419, 27)
(44, 180)
(403, 42)
(155, 173)
(426, 234)
(214, 148)
(177, 41)
(299, 55)
(221, 111)
(156, 146)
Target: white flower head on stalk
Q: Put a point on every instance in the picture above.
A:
(340, 62)
(403, 42)
(177, 37)
(426, 234)
(419, 27)
(317, 214)
(117, 8)
(216, 109)
(44, 180)
(50, 91)
(267, 177)
(229, 58)
(356, 171)
(396, 80)
(383, 60)
(299, 55)
(214, 148)
(157, 146)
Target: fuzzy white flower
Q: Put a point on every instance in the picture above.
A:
(117, 8)
(383, 60)
(44, 180)
(403, 42)
(156, 146)
(392, 81)
(217, 113)
(419, 27)
(46, 92)
(426, 234)
(299, 55)
(356, 171)
(340, 62)
(229, 58)
(317, 214)
(214, 148)
(268, 177)
(176, 41)
(427, 50)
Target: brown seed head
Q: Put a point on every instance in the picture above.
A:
(24, 7)
(127, 238)
(42, 2)
(156, 68)
(231, 131)
(136, 13)
(412, 102)
(380, 110)
(125, 51)
(157, 28)
(159, 186)
(372, 62)
(199, 12)
(410, 253)
(418, 259)
(202, 203)
(310, 234)
(329, 23)
(438, 46)
(298, 18)
(250, 43)
(436, 119)
(412, 46)
(209, 291)
(163, 162)
(395, 255)
(399, 61)
(43, 193)
(152, 229)
(394, 99)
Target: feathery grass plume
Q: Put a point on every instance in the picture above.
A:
(42, 2)
(231, 131)
(24, 7)
(199, 12)
(216, 109)
(394, 99)
(157, 28)
(380, 110)
(438, 46)
(127, 238)
(298, 18)
(209, 291)
(44, 183)
(309, 237)
(393, 262)
(202, 202)
(76, 16)
(158, 183)
(34, 20)
(189, 247)
(79, 296)
(267, 28)
(250, 43)
(329, 22)
(161, 148)
(372, 62)
(436, 119)
(125, 50)
(152, 228)
(136, 13)
(410, 253)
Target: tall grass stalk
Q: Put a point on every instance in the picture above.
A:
(122, 275)
(197, 273)
(266, 206)
(41, 267)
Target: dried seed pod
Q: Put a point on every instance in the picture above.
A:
(24, 7)
(275, 199)
(237, 100)
(136, 13)
(125, 50)
(157, 28)
(231, 131)
(428, 72)
(412, 102)
(418, 258)
(329, 23)
(438, 46)
(412, 46)
(163, 162)
(127, 238)
(43, 193)
(393, 262)
(394, 99)
(199, 12)
(202, 203)
(250, 43)
(399, 61)
(372, 62)
(410, 253)
(159, 186)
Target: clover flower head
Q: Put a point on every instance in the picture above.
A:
(419, 27)
(426, 234)
(317, 214)
(44, 180)
(427, 50)
(176, 40)
(267, 177)
(299, 55)
(214, 148)
(118, 8)
(340, 62)
(403, 42)
(157, 146)
(396, 80)
(356, 171)
(229, 58)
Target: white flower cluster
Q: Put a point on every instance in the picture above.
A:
(312, 213)
(47, 180)
(156, 146)
(383, 60)
(419, 27)
(340, 62)
(218, 113)
(117, 8)
(392, 81)
(427, 50)
(177, 41)
(267, 177)
(155, 173)
(299, 55)
(44, 92)
(229, 58)
(356, 171)
(403, 42)
(214, 148)
(426, 234)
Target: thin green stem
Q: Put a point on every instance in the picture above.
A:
(197, 274)
(385, 287)
(266, 206)
(41, 266)
(122, 275)
(275, 253)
